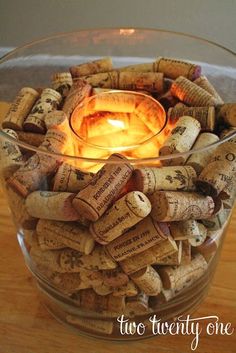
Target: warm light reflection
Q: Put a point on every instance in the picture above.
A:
(127, 31)
(116, 123)
(127, 122)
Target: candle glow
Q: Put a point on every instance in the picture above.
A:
(119, 121)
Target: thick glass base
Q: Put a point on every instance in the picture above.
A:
(105, 324)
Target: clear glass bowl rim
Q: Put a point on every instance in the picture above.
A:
(26, 146)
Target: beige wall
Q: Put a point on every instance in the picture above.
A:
(22, 21)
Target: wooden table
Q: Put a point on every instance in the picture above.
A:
(26, 326)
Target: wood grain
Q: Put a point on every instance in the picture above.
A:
(27, 327)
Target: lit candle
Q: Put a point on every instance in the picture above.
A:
(119, 121)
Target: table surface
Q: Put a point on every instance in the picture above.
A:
(27, 327)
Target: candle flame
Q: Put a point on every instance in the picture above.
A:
(116, 123)
(127, 31)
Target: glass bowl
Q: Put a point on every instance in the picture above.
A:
(88, 284)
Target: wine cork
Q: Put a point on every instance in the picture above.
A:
(30, 237)
(185, 230)
(155, 302)
(91, 277)
(48, 101)
(31, 138)
(71, 235)
(200, 237)
(122, 137)
(199, 160)
(20, 108)
(181, 139)
(103, 80)
(5, 106)
(55, 141)
(173, 259)
(218, 204)
(229, 203)
(132, 81)
(57, 282)
(92, 301)
(228, 132)
(57, 120)
(178, 278)
(180, 206)
(96, 197)
(33, 174)
(90, 325)
(150, 149)
(228, 193)
(117, 102)
(228, 113)
(219, 171)
(204, 83)
(167, 100)
(205, 115)
(70, 179)
(207, 248)
(148, 180)
(192, 94)
(51, 205)
(57, 123)
(116, 304)
(92, 67)
(62, 82)
(67, 282)
(180, 105)
(73, 261)
(217, 221)
(173, 68)
(76, 297)
(186, 252)
(102, 260)
(147, 81)
(162, 298)
(137, 305)
(149, 256)
(115, 278)
(144, 67)
(127, 290)
(139, 238)
(47, 259)
(103, 289)
(49, 242)
(19, 211)
(10, 155)
(124, 214)
(151, 114)
(148, 280)
(78, 92)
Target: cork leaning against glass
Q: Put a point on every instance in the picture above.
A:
(118, 162)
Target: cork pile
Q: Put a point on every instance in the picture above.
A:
(128, 237)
